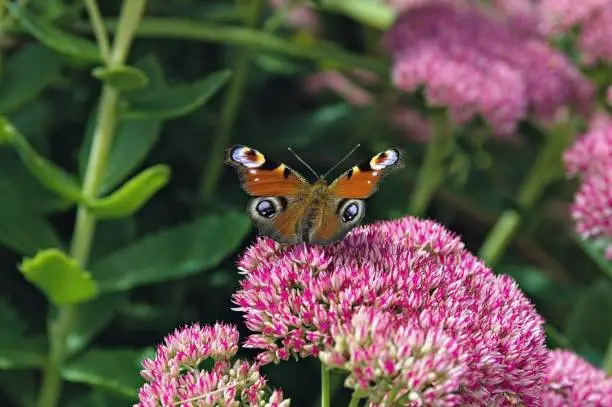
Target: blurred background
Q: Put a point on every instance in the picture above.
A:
(201, 75)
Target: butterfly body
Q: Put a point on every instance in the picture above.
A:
(291, 210)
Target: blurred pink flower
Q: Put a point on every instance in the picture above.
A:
(572, 381)
(591, 158)
(175, 374)
(305, 299)
(474, 64)
(341, 85)
(594, 17)
(298, 14)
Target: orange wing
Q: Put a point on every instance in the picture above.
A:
(362, 180)
(260, 177)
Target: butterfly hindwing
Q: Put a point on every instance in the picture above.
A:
(277, 217)
(362, 180)
(261, 177)
(336, 219)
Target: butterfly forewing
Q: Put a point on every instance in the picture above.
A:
(262, 177)
(362, 180)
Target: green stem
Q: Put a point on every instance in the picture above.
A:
(546, 168)
(229, 110)
(248, 38)
(99, 30)
(85, 221)
(607, 362)
(325, 386)
(355, 399)
(432, 171)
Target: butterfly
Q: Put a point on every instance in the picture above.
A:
(291, 210)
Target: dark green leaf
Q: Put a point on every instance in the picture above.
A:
(97, 398)
(123, 78)
(537, 284)
(176, 101)
(132, 195)
(588, 325)
(49, 175)
(22, 227)
(26, 74)
(117, 370)
(61, 278)
(92, 318)
(14, 327)
(20, 387)
(112, 235)
(172, 253)
(55, 38)
(596, 250)
(25, 353)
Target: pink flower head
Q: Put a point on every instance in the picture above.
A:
(478, 328)
(477, 65)
(591, 158)
(572, 381)
(594, 17)
(175, 378)
(397, 363)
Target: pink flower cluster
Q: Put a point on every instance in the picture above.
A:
(477, 65)
(175, 376)
(571, 381)
(594, 17)
(445, 327)
(591, 158)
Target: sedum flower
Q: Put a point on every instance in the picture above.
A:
(474, 64)
(429, 294)
(591, 158)
(572, 381)
(593, 17)
(175, 377)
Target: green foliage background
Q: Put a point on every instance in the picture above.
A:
(199, 76)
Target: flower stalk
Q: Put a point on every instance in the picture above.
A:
(229, 111)
(325, 386)
(432, 171)
(547, 168)
(85, 225)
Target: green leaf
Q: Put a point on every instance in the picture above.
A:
(176, 101)
(97, 398)
(19, 387)
(134, 139)
(14, 327)
(588, 325)
(55, 38)
(535, 283)
(124, 78)
(61, 278)
(22, 227)
(49, 175)
(92, 318)
(21, 354)
(26, 74)
(172, 253)
(117, 370)
(596, 251)
(132, 195)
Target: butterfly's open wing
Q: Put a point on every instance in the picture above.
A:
(336, 219)
(362, 180)
(275, 210)
(262, 177)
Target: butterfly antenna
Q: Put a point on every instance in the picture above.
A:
(341, 161)
(303, 162)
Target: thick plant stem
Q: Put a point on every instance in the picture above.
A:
(547, 167)
(325, 386)
(84, 229)
(229, 111)
(607, 362)
(355, 399)
(432, 171)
